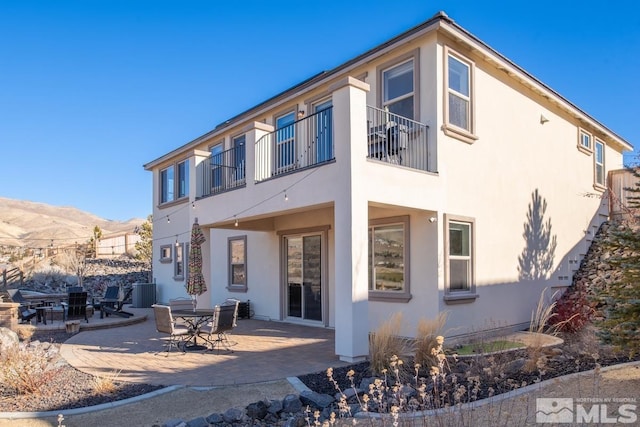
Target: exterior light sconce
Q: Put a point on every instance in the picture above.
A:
(300, 114)
(543, 119)
(433, 219)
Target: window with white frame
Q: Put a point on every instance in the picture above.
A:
(398, 89)
(178, 262)
(598, 159)
(584, 141)
(165, 253)
(167, 185)
(459, 92)
(459, 257)
(285, 142)
(174, 182)
(238, 264)
(239, 157)
(183, 179)
(389, 259)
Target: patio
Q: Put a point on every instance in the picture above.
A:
(265, 351)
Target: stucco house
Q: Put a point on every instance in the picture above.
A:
(430, 174)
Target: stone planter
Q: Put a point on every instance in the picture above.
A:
(72, 326)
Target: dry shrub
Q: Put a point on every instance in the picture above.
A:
(386, 342)
(426, 341)
(541, 317)
(25, 334)
(106, 385)
(26, 370)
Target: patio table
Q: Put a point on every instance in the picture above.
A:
(194, 320)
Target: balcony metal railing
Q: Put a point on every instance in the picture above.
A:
(224, 171)
(302, 144)
(397, 140)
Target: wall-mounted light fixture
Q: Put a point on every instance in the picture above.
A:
(543, 119)
(433, 219)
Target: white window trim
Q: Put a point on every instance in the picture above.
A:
(597, 185)
(176, 184)
(237, 287)
(581, 147)
(449, 129)
(470, 295)
(183, 276)
(405, 294)
(166, 249)
(413, 55)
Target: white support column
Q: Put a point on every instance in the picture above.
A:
(351, 221)
(254, 132)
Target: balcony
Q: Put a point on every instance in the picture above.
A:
(309, 142)
(302, 144)
(224, 171)
(397, 140)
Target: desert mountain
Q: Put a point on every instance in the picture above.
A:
(30, 224)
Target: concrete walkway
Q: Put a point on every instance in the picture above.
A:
(265, 351)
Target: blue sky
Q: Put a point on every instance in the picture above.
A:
(91, 90)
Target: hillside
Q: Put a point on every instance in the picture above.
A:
(30, 224)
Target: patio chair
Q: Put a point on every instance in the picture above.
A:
(26, 310)
(16, 296)
(166, 325)
(76, 305)
(112, 304)
(223, 321)
(181, 304)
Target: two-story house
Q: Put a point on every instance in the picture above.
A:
(428, 174)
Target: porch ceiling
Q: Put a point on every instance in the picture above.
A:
(264, 222)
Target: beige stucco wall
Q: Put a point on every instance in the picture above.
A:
(491, 181)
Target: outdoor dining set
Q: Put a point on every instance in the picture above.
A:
(192, 329)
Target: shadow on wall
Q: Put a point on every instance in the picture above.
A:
(536, 260)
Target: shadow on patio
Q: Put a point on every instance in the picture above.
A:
(265, 351)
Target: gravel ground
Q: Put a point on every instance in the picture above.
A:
(71, 388)
(68, 388)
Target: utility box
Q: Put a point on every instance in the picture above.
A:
(144, 295)
(244, 310)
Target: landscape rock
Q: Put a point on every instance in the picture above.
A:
(316, 400)
(198, 422)
(291, 404)
(257, 410)
(8, 339)
(215, 419)
(233, 415)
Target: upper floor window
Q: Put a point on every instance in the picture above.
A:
(167, 185)
(398, 89)
(183, 179)
(459, 255)
(584, 141)
(459, 93)
(598, 159)
(285, 142)
(388, 259)
(238, 263)
(239, 157)
(459, 117)
(174, 185)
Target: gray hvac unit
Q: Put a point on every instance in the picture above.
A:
(144, 295)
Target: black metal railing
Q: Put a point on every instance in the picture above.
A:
(302, 144)
(224, 171)
(397, 140)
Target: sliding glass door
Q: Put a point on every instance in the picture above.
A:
(303, 277)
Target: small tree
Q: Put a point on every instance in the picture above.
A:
(144, 247)
(74, 261)
(619, 301)
(97, 235)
